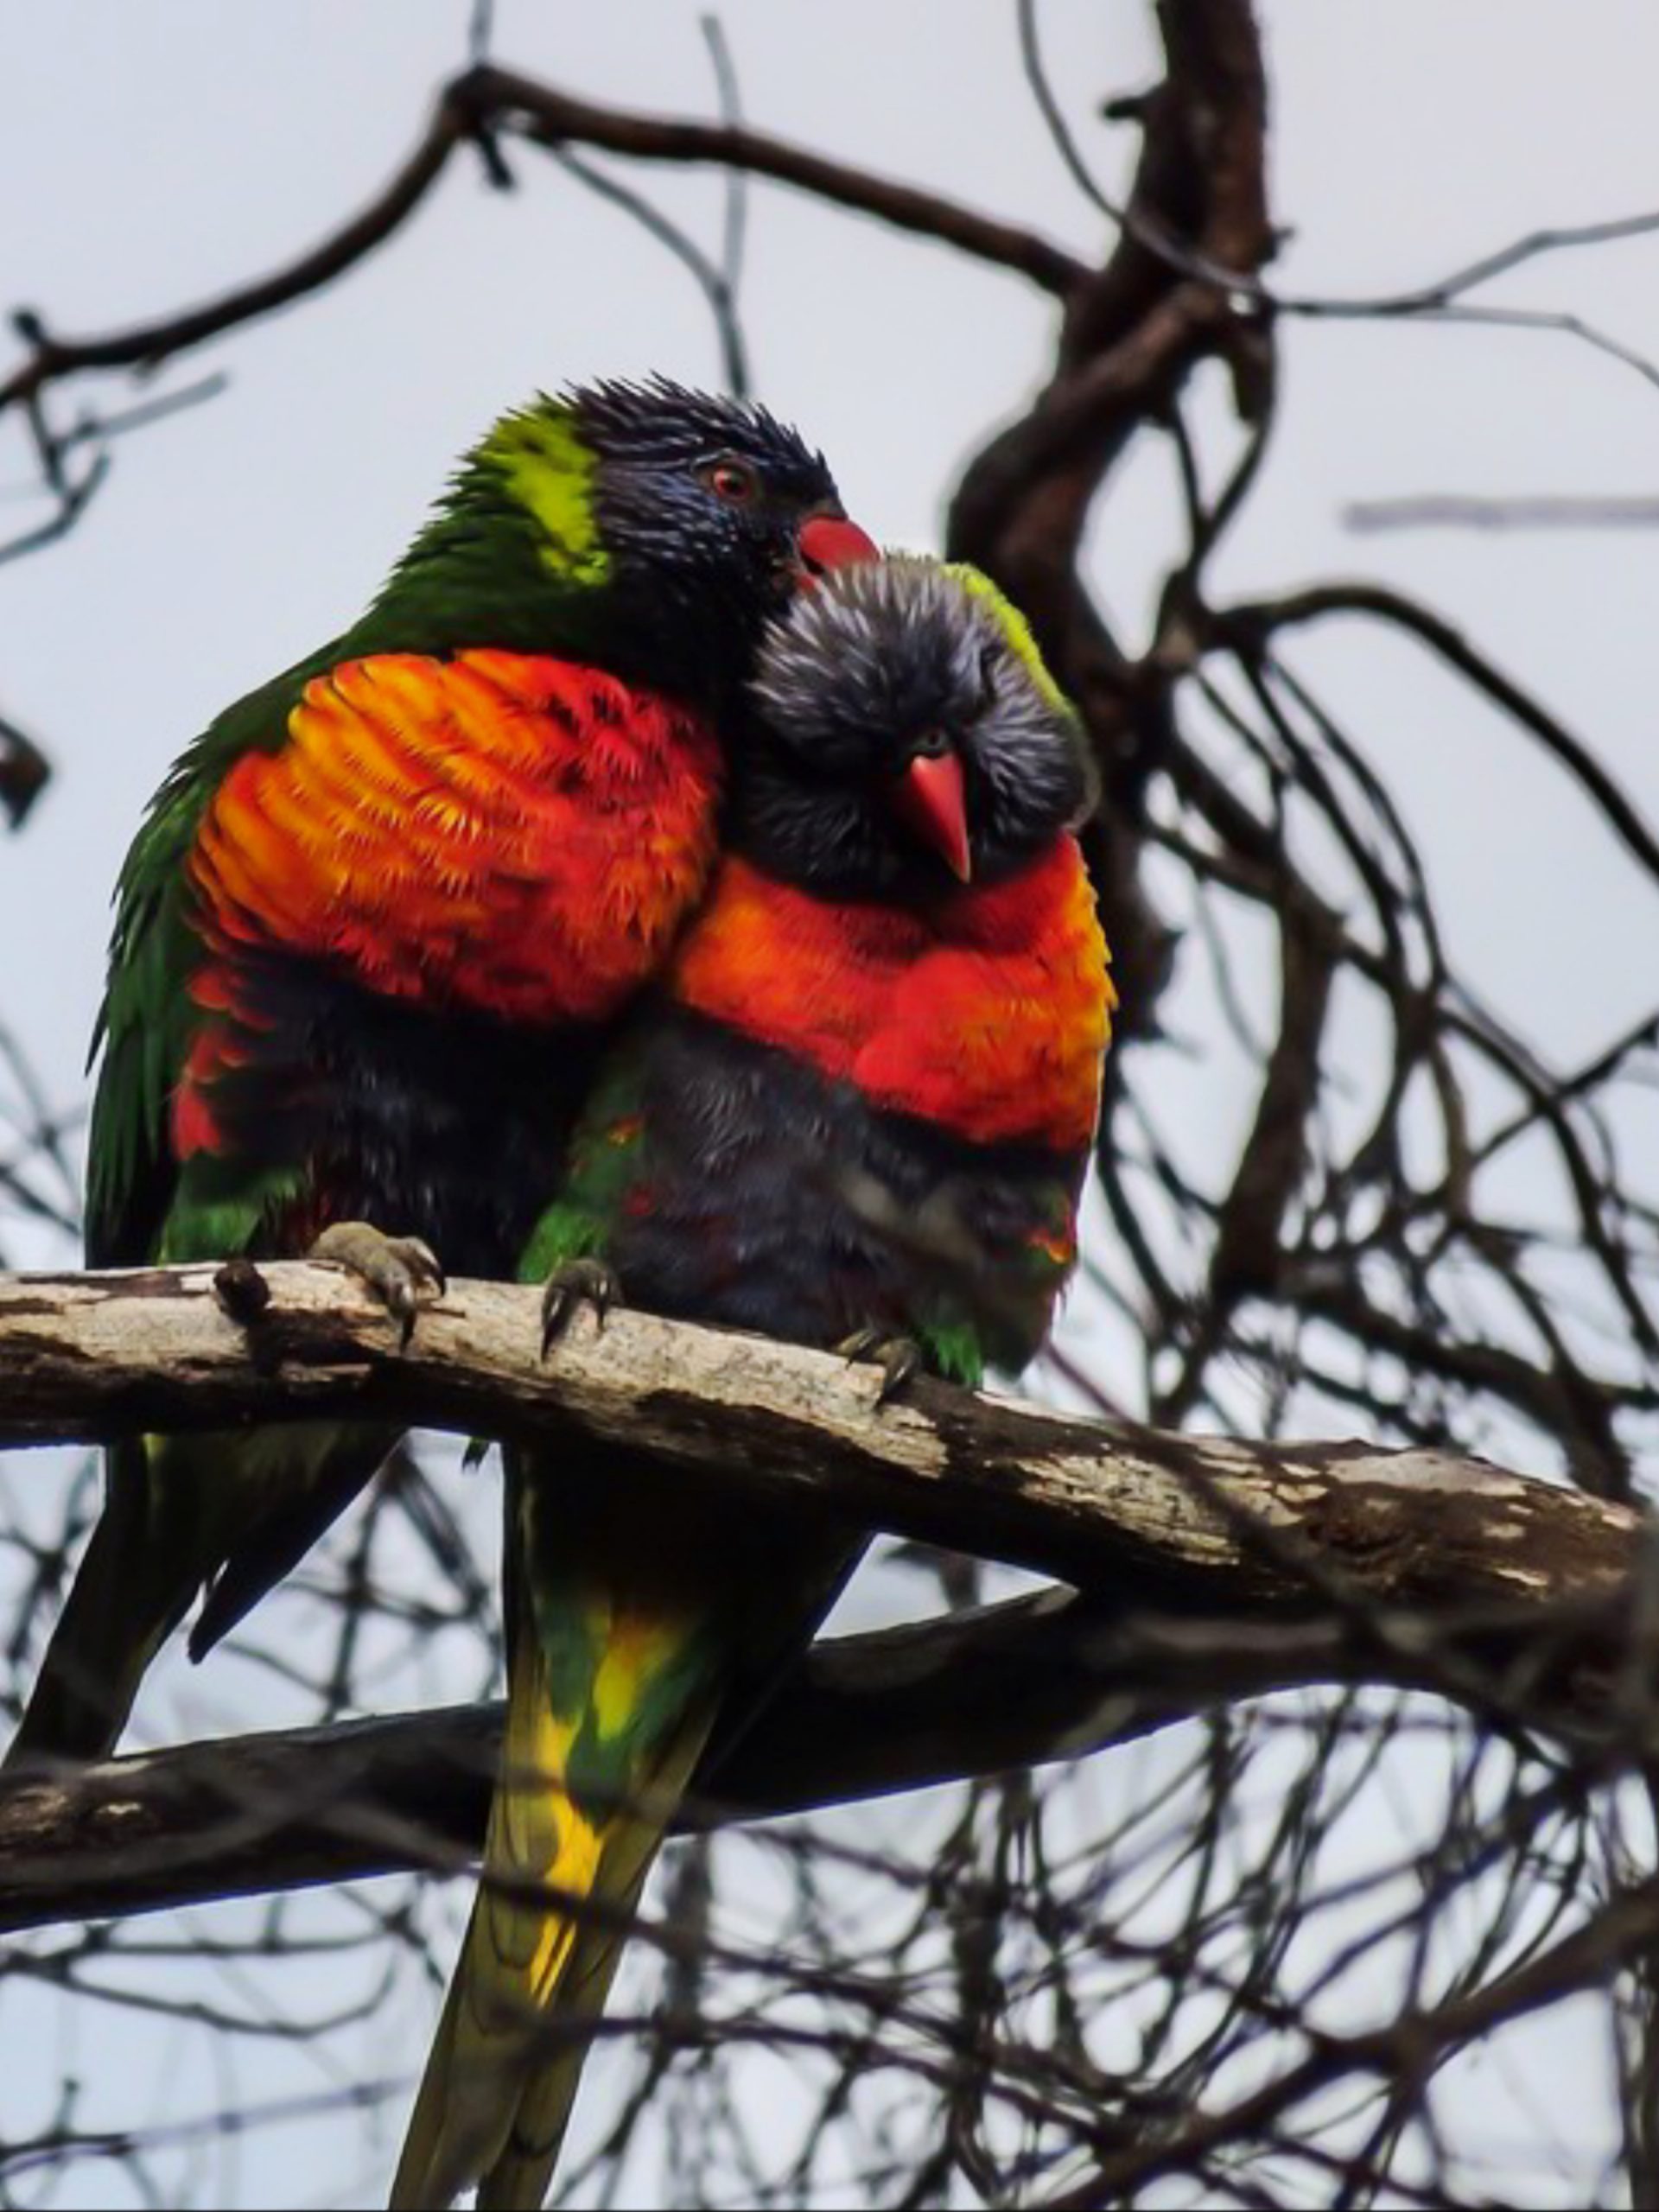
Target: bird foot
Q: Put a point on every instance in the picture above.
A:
(578, 1282)
(899, 1358)
(242, 1290)
(404, 1272)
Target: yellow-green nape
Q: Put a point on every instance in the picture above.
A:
(1014, 626)
(548, 470)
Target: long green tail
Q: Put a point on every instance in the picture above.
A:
(176, 1510)
(611, 1699)
(127, 1598)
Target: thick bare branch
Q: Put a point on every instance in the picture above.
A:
(1051, 1676)
(979, 1693)
(1211, 1522)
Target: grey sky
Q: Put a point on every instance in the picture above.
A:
(183, 147)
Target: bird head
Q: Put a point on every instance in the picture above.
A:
(649, 528)
(908, 738)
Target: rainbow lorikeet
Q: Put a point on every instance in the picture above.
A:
(856, 1111)
(382, 915)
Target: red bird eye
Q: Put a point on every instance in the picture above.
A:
(731, 481)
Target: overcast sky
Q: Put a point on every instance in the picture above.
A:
(154, 152)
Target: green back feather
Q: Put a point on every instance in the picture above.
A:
(147, 1018)
(512, 555)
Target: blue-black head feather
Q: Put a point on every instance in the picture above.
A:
(645, 527)
(879, 663)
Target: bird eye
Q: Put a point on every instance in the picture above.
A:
(990, 667)
(734, 481)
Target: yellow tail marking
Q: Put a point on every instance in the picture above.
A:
(637, 1647)
(545, 1838)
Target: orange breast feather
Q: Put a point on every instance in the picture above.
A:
(506, 833)
(988, 1016)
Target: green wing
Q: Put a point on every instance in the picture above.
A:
(145, 1024)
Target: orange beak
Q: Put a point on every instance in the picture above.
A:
(831, 542)
(930, 800)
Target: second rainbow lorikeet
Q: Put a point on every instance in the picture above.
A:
(380, 919)
(857, 1112)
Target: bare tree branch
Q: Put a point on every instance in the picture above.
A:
(485, 99)
(1051, 1676)
(1264, 618)
(1111, 1504)
(1537, 511)
(1036, 1679)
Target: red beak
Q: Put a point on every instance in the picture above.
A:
(929, 798)
(832, 542)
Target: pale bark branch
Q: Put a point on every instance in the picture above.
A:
(1202, 1520)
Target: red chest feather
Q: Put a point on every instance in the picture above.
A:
(988, 1016)
(511, 834)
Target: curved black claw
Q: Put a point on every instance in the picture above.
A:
(899, 1358)
(578, 1282)
(404, 1272)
